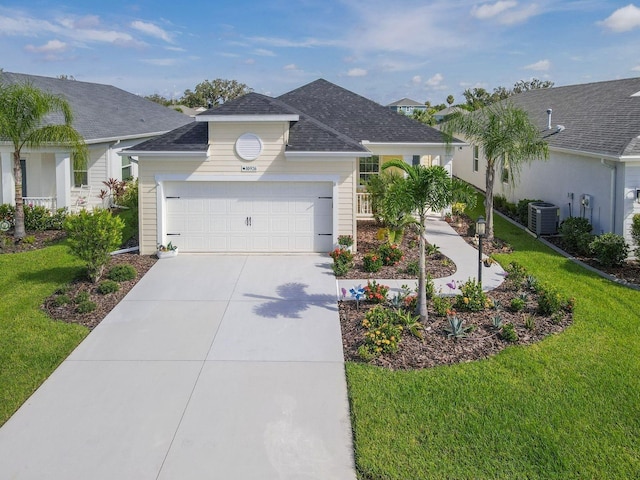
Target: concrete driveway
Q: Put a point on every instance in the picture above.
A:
(216, 367)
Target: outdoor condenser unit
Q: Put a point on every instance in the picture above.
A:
(543, 218)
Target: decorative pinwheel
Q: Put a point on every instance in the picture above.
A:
(357, 293)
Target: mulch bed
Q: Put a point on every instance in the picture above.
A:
(436, 347)
(104, 303)
(33, 241)
(438, 265)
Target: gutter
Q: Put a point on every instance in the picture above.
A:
(612, 197)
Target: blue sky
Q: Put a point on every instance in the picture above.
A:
(384, 50)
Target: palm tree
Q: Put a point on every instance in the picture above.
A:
(429, 189)
(23, 121)
(508, 138)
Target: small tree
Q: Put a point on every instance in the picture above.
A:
(214, 92)
(508, 139)
(23, 110)
(429, 189)
(92, 237)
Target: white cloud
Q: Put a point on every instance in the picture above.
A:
(161, 62)
(263, 52)
(357, 72)
(175, 49)
(541, 66)
(416, 80)
(636, 68)
(249, 61)
(152, 30)
(489, 10)
(291, 66)
(624, 19)
(434, 81)
(52, 46)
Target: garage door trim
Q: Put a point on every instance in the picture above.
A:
(160, 197)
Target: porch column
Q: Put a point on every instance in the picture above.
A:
(63, 180)
(8, 186)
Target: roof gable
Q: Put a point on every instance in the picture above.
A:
(103, 111)
(601, 118)
(357, 117)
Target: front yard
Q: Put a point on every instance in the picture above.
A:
(564, 408)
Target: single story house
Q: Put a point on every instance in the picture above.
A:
(264, 174)
(109, 120)
(406, 106)
(593, 171)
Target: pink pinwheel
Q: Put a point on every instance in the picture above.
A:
(452, 285)
(344, 292)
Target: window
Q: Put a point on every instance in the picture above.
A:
(127, 172)
(476, 158)
(80, 175)
(368, 166)
(415, 160)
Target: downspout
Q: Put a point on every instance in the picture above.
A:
(613, 169)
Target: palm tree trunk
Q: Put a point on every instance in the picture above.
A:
(18, 231)
(421, 308)
(488, 199)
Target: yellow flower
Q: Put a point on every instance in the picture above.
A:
(466, 300)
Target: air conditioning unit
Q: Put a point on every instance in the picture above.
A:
(543, 218)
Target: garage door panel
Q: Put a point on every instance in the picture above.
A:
(250, 216)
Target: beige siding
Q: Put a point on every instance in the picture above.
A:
(223, 161)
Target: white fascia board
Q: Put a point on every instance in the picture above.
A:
(409, 144)
(306, 156)
(145, 153)
(247, 118)
(124, 137)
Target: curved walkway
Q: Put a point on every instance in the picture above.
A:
(452, 245)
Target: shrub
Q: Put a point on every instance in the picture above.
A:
(36, 217)
(508, 333)
(500, 203)
(92, 236)
(429, 287)
(635, 232)
(610, 249)
(530, 322)
(108, 286)
(29, 240)
(472, 298)
(81, 297)
(345, 241)
(576, 234)
(517, 304)
(383, 333)
(441, 305)
(522, 210)
(413, 268)
(86, 307)
(371, 262)
(390, 254)
(341, 255)
(550, 301)
(340, 268)
(56, 221)
(122, 273)
(516, 275)
(60, 300)
(375, 292)
(7, 213)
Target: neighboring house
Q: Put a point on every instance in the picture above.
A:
(191, 112)
(445, 112)
(263, 174)
(593, 131)
(407, 106)
(109, 119)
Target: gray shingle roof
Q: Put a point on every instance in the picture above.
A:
(193, 137)
(600, 118)
(331, 119)
(358, 117)
(103, 111)
(406, 102)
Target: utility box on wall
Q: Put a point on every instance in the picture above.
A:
(543, 218)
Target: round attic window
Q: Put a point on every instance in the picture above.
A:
(249, 146)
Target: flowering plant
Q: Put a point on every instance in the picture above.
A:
(390, 253)
(169, 247)
(376, 293)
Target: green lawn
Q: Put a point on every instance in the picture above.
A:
(32, 345)
(568, 407)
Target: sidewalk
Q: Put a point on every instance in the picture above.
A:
(453, 246)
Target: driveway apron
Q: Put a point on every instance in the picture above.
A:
(216, 367)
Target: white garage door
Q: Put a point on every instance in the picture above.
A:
(249, 216)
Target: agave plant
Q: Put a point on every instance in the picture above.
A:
(456, 328)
